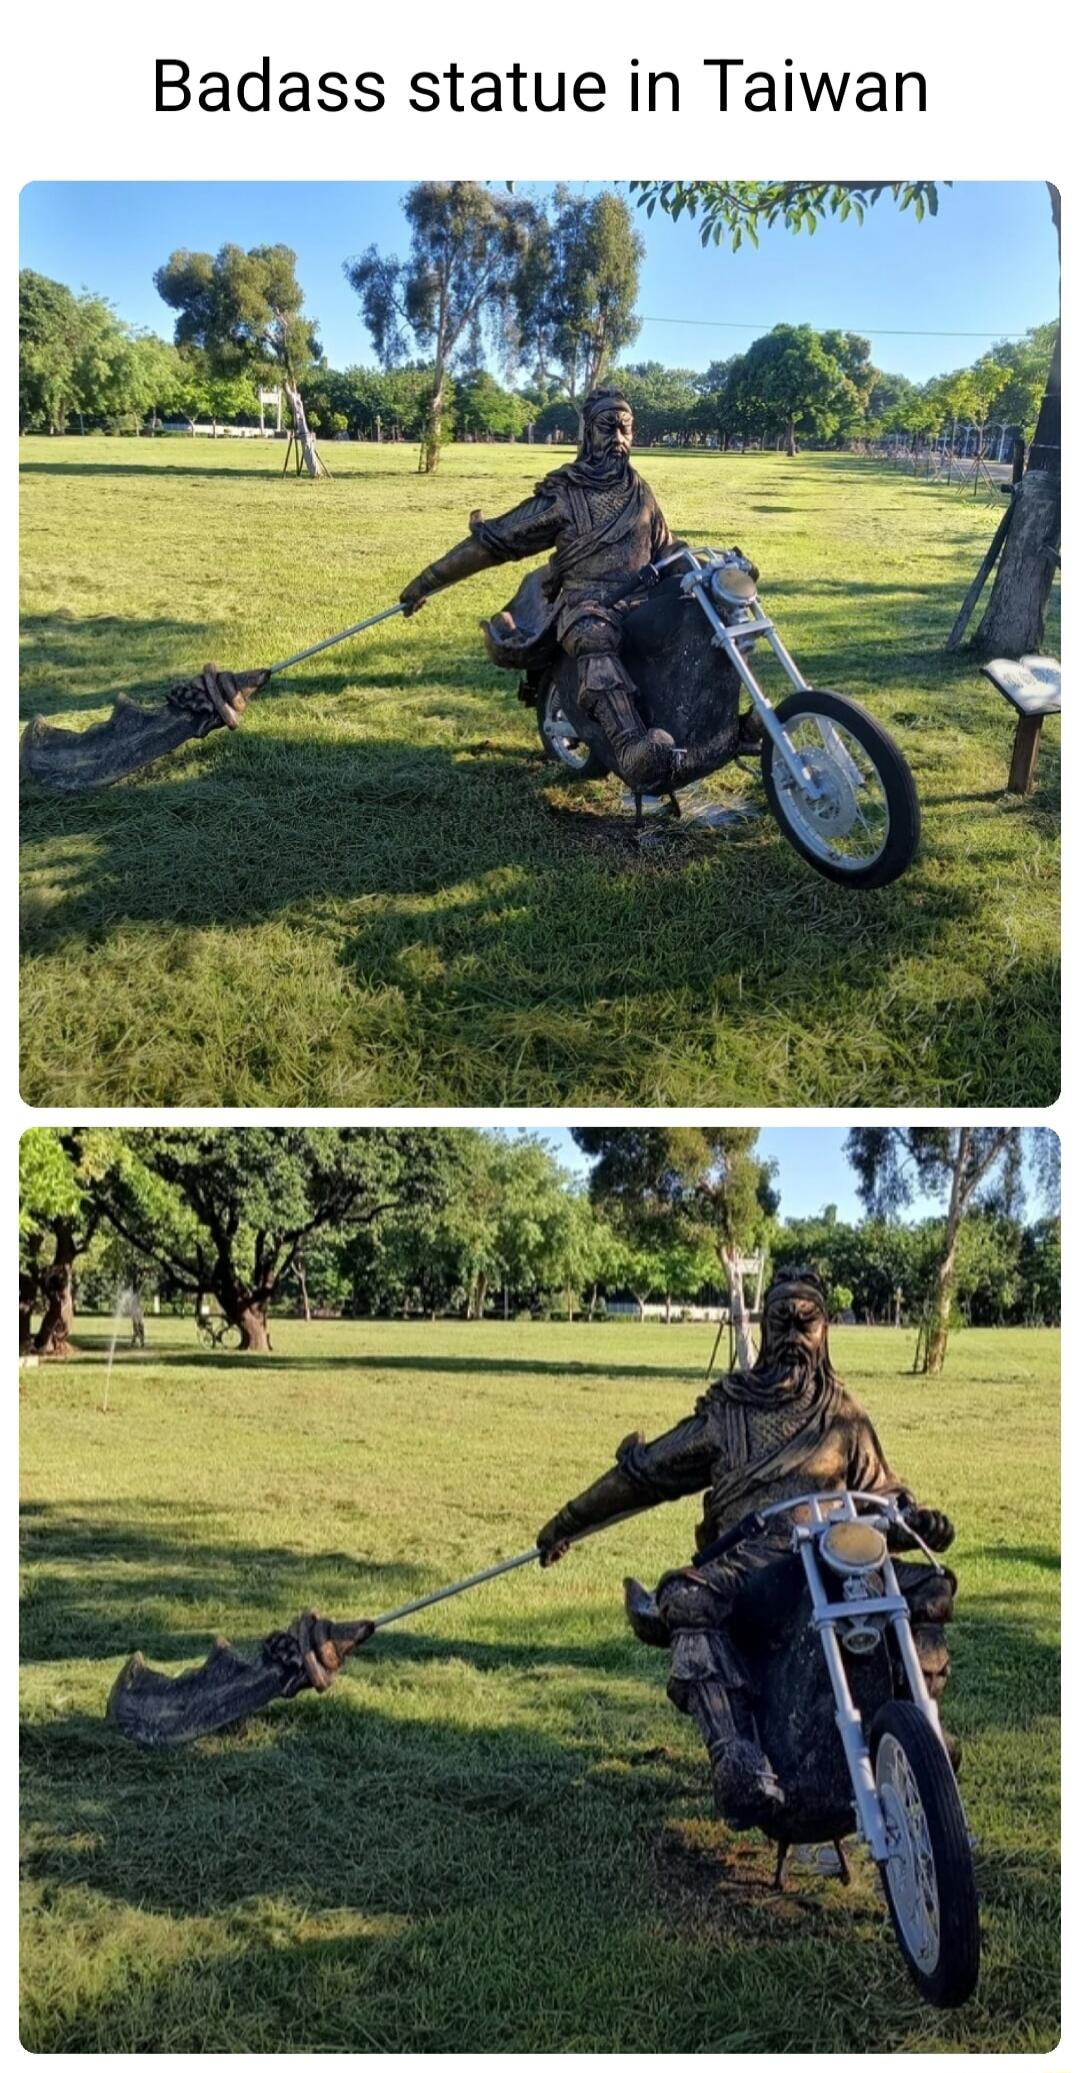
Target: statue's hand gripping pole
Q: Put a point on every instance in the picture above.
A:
(158, 1711)
(72, 760)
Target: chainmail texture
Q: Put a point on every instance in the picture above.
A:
(605, 503)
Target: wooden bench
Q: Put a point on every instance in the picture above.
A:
(1033, 687)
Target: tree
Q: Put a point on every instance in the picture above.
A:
(1026, 362)
(682, 1185)
(971, 393)
(965, 1166)
(58, 1216)
(489, 411)
(246, 310)
(577, 287)
(454, 288)
(788, 378)
(228, 1211)
(49, 328)
(730, 210)
(1015, 618)
(1040, 1271)
(665, 401)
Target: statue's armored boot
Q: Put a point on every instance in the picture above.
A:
(645, 758)
(708, 1681)
(746, 1789)
(644, 1614)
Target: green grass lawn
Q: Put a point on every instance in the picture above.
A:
(376, 893)
(494, 1833)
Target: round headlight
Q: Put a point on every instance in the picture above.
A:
(851, 1547)
(733, 586)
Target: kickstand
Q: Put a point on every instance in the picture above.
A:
(778, 1875)
(842, 1860)
(674, 805)
(639, 814)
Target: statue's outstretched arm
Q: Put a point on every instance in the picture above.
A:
(529, 528)
(466, 559)
(645, 1473)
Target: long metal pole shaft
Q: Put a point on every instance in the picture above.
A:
(333, 639)
(467, 1583)
(484, 1576)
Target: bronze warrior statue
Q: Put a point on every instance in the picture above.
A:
(605, 525)
(756, 1437)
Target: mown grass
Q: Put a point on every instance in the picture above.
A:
(494, 1834)
(377, 893)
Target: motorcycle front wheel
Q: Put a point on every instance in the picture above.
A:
(562, 744)
(929, 1878)
(860, 826)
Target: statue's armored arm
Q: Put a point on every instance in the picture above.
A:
(646, 1472)
(528, 529)
(611, 1496)
(466, 559)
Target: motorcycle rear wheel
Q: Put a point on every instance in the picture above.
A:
(859, 766)
(930, 1881)
(562, 744)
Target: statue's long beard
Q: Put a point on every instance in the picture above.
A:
(603, 467)
(788, 1356)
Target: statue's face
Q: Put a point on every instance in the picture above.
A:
(794, 1322)
(611, 432)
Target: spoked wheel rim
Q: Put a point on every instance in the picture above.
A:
(910, 1871)
(846, 821)
(561, 736)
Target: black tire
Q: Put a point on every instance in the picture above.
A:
(902, 839)
(548, 706)
(945, 1975)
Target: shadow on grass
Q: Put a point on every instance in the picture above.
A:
(101, 1582)
(420, 1364)
(117, 654)
(148, 470)
(470, 906)
(387, 1883)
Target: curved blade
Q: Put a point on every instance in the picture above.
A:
(72, 760)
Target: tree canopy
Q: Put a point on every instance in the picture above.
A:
(246, 311)
(454, 289)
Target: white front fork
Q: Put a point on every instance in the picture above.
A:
(826, 1618)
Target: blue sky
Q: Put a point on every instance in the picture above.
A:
(812, 1170)
(986, 266)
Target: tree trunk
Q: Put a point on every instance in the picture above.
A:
(28, 1295)
(302, 433)
(1015, 619)
(301, 1275)
(740, 1323)
(246, 1309)
(937, 1323)
(791, 437)
(432, 441)
(54, 1331)
(254, 1328)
